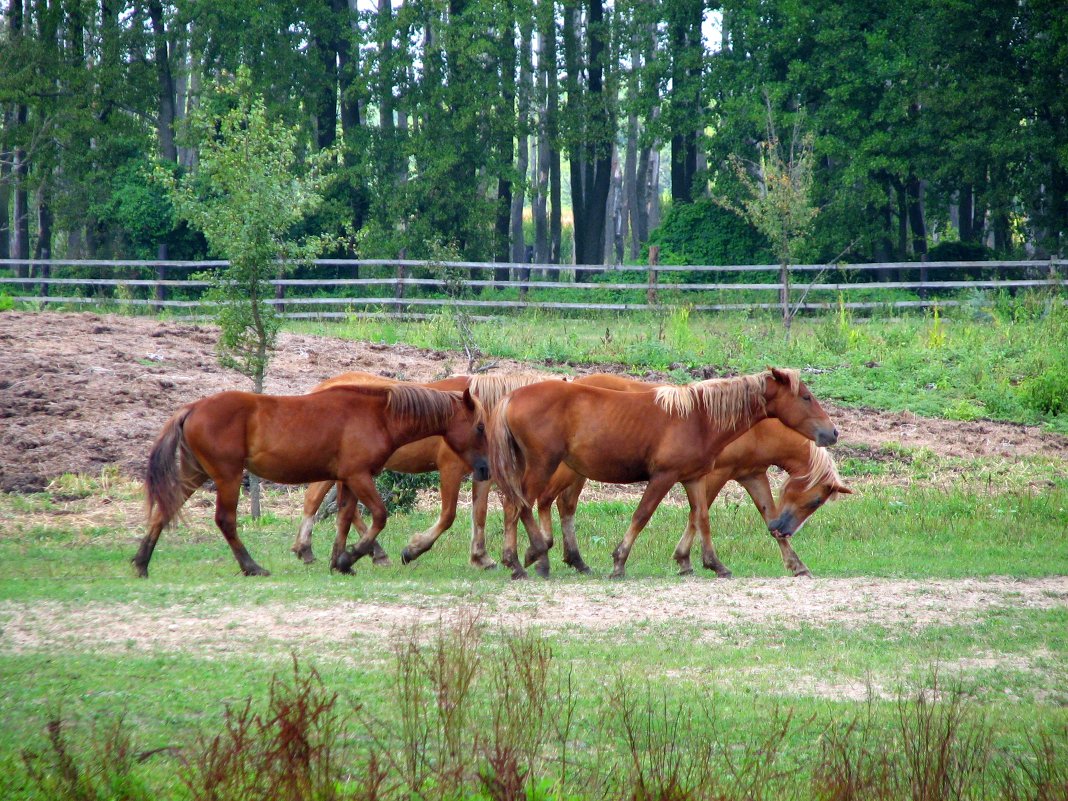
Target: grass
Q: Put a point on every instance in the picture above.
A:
(170, 654)
(995, 358)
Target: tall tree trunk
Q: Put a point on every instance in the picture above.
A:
(685, 96)
(524, 95)
(913, 190)
(539, 205)
(5, 190)
(348, 66)
(552, 132)
(507, 153)
(43, 250)
(165, 107)
(597, 166)
(20, 240)
(575, 102)
(966, 213)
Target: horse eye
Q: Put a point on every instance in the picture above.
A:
(807, 398)
(481, 428)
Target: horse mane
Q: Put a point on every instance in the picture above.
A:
(414, 402)
(726, 401)
(490, 389)
(820, 469)
(354, 378)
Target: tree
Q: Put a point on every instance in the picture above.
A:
(246, 198)
(776, 199)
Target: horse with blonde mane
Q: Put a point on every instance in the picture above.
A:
(813, 481)
(663, 436)
(343, 433)
(422, 456)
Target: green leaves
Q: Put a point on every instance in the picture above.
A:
(247, 197)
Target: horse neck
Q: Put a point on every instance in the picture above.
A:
(787, 449)
(724, 435)
(403, 429)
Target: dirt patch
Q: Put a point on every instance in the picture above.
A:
(79, 392)
(714, 610)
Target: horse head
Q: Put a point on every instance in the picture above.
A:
(466, 434)
(804, 493)
(789, 399)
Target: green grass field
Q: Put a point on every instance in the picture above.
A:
(928, 659)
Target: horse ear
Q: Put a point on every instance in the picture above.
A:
(842, 489)
(779, 375)
(469, 399)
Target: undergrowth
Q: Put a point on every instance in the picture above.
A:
(492, 718)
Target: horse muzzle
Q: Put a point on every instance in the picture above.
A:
(481, 470)
(782, 526)
(827, 438)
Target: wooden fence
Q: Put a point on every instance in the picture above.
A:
(34, 282)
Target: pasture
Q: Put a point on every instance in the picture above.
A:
(943, 577)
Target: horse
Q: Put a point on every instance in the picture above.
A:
(663, 436)
(813, 481)
(422, 456)
(343, 433)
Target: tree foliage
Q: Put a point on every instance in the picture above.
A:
(246, 198)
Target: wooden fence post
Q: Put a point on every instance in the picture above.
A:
(654, 260)
(923, 276)
(398, 288)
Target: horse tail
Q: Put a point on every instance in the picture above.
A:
(163, 479)
(506, 457)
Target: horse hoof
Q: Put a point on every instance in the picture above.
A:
(483, 562)
(542, 570)
(519, 575)
(382, 561)
(803, 574)
(617, 575)
(256, 570)
(724, 574)
(686, 571)
(343, 563)
(407, 556)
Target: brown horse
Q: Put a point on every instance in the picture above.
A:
(664, 436)
(343, 433)
(814, 480)
(423, 456)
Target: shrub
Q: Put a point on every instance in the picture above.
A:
(1048, 391)
(704, 233)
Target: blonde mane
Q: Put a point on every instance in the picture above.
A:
(821, 468)
(726, 401)
(490, 389)
(415, 402)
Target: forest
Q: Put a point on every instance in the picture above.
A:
(552, 131)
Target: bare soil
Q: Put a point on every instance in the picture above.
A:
(79, 392)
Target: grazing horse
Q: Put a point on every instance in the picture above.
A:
(663, 436)
(813, 481)
(344, 433)
(423, 456)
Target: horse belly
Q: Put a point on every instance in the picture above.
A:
(610, 471)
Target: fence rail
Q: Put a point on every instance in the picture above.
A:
(528, 279)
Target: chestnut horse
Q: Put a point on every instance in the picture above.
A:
(343, 433)
(813, 481)
(663, 436)
(422, 456)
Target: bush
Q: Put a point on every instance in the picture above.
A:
(1048, 391)
(704, 233)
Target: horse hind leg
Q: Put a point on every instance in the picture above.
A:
(192, 477)
(347, 516)
(314, 497)
(226, 497)
(655, 491)
(567, 504)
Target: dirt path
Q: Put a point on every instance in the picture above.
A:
(82, 391)
(712, 609)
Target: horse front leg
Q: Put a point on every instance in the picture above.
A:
(348, 515)
(695, 493)
(480, 491)
(509, 547)
(452, 475)
(655, 491)
(363, 488)
(759, 489)
(313, 499)
(713, 482)
(226, 496)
